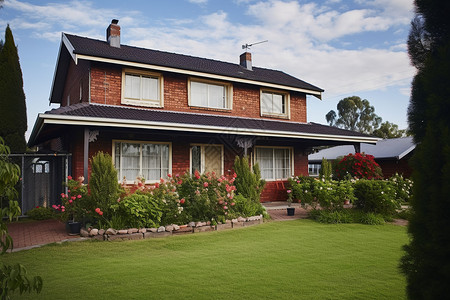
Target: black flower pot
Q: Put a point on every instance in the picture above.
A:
(73, 228)
(290, 211)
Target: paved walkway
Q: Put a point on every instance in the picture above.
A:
(277, 211)
(31, 234)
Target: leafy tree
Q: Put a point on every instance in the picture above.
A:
(12, 277)
(13, 117)
(389, 130)
(354, 114)
(426, 262)
(418, 42)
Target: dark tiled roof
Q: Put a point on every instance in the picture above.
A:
(97, 48)
(126, 113)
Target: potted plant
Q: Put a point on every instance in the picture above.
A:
(290, 210)
(72, 207)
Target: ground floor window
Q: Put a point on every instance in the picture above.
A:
(149, 160)
(275, 163)
(207, 158)
(314, 169)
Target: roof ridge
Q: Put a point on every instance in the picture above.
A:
(169, 52)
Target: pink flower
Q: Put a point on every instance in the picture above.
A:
(234, 175)
(54, 206)
(97, 210)
(197, 174)
(100, 213)
(69, 177)
(79, 196)
(180, 181)
(73, 197)
(225, 207)
(161, 180)
(182, 201)
(63, 209)
(205, 184)
(70, 201)
(289, 191)
(220, 202)
(233, 204)
(63, 195)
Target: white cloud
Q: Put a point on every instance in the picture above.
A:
(198, 1)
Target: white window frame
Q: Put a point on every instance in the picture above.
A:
(202, 157)
(131, 180)
(140, 102)
(228, 87)
(291, 157)
(314, 169)
(287, 103)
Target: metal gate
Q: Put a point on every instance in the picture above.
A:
(42, 177)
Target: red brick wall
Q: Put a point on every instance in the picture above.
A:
(106, 84)
(76, 75)
(390, 167)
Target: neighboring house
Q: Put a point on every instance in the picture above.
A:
(158, 113)
(391, 154)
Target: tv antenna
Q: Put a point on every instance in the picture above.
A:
(247, 46)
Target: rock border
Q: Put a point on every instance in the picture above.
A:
(163, 231)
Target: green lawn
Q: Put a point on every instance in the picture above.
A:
(298, 259)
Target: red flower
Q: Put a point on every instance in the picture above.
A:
(69, 177)
(157, 185)
(182, 201)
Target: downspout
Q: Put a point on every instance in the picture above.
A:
(86, 154)
(89, 84)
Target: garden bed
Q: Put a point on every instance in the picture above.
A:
(164, 231)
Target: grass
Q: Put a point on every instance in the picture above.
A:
(298, 259)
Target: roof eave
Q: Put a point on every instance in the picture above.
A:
(125, 123)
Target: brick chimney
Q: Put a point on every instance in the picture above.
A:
(246, 60)
(113, 34)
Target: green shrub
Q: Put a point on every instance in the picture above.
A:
(245, 207)
(331, 216)
(326, 171)
(302, 188)
(103, 184)
(370, 219)
(139, 210)
(248, 184)
(376, 196)
(41, 213)
(404, 214)
(403, 187)
(359, 165)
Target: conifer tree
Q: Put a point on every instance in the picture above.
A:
(426, 263)
(13, 116)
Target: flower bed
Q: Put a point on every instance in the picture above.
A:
(162, 231)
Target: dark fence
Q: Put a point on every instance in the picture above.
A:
(42, 177)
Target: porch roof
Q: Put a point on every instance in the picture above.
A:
(85, 114)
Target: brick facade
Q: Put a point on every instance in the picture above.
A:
(101, 83)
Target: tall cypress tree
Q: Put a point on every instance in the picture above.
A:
(426, 263)
(13, 115)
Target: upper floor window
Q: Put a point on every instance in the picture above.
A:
(142, 88)
(274, 103)
(210, 94)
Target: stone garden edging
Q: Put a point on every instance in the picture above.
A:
(169, 230)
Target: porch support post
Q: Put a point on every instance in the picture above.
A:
(86, 154)
(357, 147)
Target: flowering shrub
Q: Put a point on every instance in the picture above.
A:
(73, 204)
(360, 165)
(302, 189)
(376, 196)
(41, 213)
(403, 187)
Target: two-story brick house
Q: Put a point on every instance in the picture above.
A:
(158, 113)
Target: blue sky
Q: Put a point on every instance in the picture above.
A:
(346, 47)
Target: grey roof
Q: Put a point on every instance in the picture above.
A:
(127, 113)
(384, 149)
(108, 114)
(98, 48)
